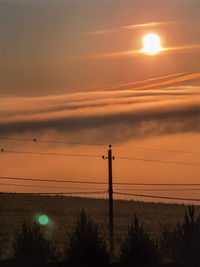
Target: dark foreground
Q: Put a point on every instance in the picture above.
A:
(62, 212)
(10, 263)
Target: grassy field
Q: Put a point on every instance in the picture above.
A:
(62, 211)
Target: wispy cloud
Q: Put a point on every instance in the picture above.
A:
(135, 52)
(138, 52)
(172, 81)
(117, 88)
(144, 112)
(129, 27)
(100, 32)
(100, 87)
(122, 85)
(147, 25)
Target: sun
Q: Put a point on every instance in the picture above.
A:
(151, 44)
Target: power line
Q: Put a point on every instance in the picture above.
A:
(117, 193)
(50, 154)
(158, 161)
(50, 180)
(77, 193)
(40, 186)
(36, 140)
(159, 197)
(160, 150)
(160, 190)
(90, 182)
(129, 189)
(65, 193)
(94, 156)
(155, 184)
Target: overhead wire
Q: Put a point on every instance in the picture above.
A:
(159, 150)
(156, 184)
(95, 156)
(116, 193)
(129, 189)
(44, 186)
(64, 193)
(158, 197)
(126, 189)
(51, 180)
(158, 161)
(100, 191)
(37, 179)
(37, 140)
(50, 153)
(160, 190)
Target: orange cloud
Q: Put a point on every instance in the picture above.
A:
(172, 81)
(138, 52)
(146, 25)
(176, 110)
(129, 27)
(143, 81)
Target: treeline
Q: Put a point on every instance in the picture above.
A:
(86, 245)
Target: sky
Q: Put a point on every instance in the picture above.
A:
(73, 72)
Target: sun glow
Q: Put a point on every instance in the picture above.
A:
(151, 44)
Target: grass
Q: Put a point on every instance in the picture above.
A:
(62, 212)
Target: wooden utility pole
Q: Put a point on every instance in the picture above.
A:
(110, 195)
(110, 191)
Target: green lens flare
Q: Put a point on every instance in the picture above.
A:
(43, 219)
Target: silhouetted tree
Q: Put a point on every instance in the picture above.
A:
(86, 246)
(31, 246)
(182, 242)
(138, 248)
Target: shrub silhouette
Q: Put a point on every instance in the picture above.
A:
(31, 247)
(85, 244)
(182, 242)
(138, 248)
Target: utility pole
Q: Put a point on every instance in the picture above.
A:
(110, 195)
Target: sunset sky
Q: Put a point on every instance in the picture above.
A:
(73, 71)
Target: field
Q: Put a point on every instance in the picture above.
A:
(62, 212)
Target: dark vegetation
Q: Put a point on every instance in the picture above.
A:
(86, 243)
(30, 244)
(181, 244)
(138, 248)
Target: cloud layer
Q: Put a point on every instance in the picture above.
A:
(132, 112)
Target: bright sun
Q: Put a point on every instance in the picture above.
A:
(151, 44)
